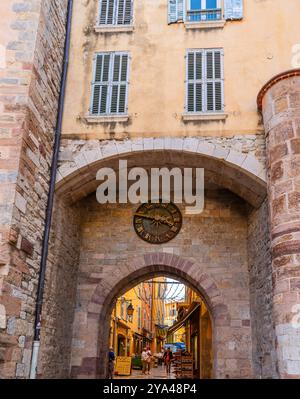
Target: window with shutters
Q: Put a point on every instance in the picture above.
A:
(110, 84)
(204, 14)
(115, 12)
(204, 81)
(204, 10)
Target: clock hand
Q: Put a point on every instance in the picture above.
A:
(165, 221)
(155, 218)
(142, 215)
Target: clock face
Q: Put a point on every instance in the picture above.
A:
(157, 223)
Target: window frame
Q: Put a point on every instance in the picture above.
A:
(204, 81)
(109, 84)
(115, 16)
(203, 5)
(188, 9)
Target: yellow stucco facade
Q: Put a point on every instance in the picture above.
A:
(255, 49)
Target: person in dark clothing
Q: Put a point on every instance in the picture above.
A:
(111, 363)
(168, 357)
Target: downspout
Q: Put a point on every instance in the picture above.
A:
(49, 209)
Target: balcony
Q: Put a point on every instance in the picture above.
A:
(204, 15)
(204, 19)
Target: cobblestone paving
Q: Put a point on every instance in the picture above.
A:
(156, 373)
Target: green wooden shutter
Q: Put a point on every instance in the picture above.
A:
(204, 81)
(118, 101)
(100, 84)
(199, 83)
(128, 12)
(233, 9)
(124, 12)
(190, 81)
(214, 81)
(103, 11)
(110, 84)
(194, 81)
(107, 12)
(124, 84)
(110, 12)
(96, 100)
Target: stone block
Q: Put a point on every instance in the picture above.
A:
(148, 144)
(190, 144)
(281, 105)
(252, 165)
(205, 148)
(20, 202)
(2, 317)
(109, 149)
(295, 146)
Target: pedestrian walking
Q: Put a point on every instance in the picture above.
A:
(149, 359)
(144, 361)
(111, 363)
(168, 357)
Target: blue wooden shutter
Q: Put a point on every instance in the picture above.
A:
(176, 11)
(181, 10)
(233, 9)
(172, 11)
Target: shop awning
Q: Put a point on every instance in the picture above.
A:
(137, 335)
(178, 324)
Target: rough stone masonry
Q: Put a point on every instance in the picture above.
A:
(29, 89)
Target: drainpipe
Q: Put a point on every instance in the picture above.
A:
(48, 218)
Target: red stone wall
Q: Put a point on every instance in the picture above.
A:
(281, 113)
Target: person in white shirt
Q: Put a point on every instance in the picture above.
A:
(144, 360)
(149, 360)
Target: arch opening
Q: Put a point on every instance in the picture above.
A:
(166, 333)
(146, 268)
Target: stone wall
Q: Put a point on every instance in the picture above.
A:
(214, 241)
(261, 291)
(252, 145)
(60, 293)
(30, 89)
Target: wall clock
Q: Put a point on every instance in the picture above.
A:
(157, 223)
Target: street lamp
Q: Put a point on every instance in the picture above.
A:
(130, 310)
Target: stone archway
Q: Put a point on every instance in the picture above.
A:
(136, 270)
(237, 170)
(96, 269)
